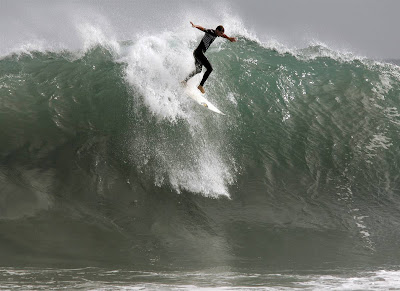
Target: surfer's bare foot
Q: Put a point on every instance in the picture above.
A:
(201, 89)
(184, 83)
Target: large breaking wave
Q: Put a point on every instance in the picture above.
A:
(104, 160)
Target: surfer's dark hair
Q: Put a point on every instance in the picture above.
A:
(220, 28)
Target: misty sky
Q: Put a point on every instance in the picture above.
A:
(365, 27)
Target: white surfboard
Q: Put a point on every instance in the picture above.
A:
(197, 96)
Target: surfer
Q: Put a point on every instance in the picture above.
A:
(199, 57)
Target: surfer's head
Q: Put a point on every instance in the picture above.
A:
(219, 30)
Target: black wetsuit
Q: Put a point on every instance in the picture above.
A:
(200, 58)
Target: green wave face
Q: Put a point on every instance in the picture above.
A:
(105, 161)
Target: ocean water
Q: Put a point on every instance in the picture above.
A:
(112, 178)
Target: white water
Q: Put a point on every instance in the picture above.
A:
(100, 279)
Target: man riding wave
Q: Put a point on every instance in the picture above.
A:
(199, 57)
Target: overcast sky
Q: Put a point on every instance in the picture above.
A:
(365, 27)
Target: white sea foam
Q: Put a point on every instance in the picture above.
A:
(208, 176)
(93, 36)
(98, 279)
(156, 64)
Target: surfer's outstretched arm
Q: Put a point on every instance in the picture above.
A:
(197, 26)
(232, 39)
